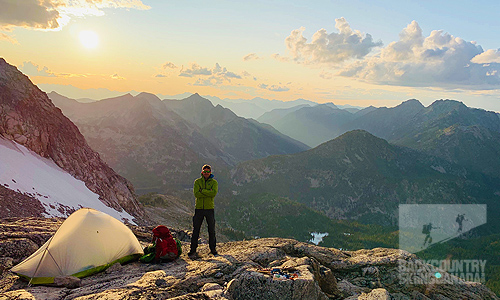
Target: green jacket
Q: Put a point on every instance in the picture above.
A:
(205, 191)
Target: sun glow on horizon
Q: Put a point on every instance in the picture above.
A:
(89, 39)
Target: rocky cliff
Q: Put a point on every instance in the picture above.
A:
(28, 117)
(242, 270)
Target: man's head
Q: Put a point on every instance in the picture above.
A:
(206, 171)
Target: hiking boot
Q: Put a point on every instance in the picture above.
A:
(192, 254)
(214, 252)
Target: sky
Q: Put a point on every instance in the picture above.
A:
(353, 52)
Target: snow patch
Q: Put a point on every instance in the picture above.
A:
(317, 237)
(60, 193)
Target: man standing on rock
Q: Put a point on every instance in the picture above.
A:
(204, 189)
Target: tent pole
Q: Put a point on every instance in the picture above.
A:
(40, 261)
(36, 270)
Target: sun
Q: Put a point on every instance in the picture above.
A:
(89, 39)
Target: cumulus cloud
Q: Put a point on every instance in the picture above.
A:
(169, 65)
(29, 13)
(195, 70)
(224, 73)
(439, 60)
(274, 88)
(209, 76)
(333, 48)
(490, 56)
(251, 56)
(32, 69)
(117, 77)
(54, 14)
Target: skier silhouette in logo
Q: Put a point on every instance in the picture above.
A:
(426, 229)
(460, 218)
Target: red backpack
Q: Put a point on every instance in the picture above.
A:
(166, 246)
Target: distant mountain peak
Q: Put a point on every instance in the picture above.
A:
(151, 98)
(197, 97)
(144, 94)
(411, 103)
(54, 93)
(358, 139)
(331, 105)
(448, 103)
(360, 133)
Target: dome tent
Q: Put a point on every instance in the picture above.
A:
(88, 241)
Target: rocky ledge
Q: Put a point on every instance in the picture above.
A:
(242, 270)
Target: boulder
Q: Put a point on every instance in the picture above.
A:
(376, 294)
(17, 248)
(254, 285)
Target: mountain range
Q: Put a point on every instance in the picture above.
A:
(436, 154)
(446, 128)
(161, 145)
(358, 176)
(257, 106)
(324, 120)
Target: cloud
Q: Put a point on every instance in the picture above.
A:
(224, 73)
(439, 60)
(211, 81)
(54, 14)
(248, 75)
(490, 56)
(169, 65)
(8, 38)
(117, 77)
(274, 88)
(251, 56)
(218, 75)
(32, 69)
(29, 13)
(160, 75)
(195, 70)
(333, 48)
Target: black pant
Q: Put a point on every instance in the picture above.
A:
(199, 214)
